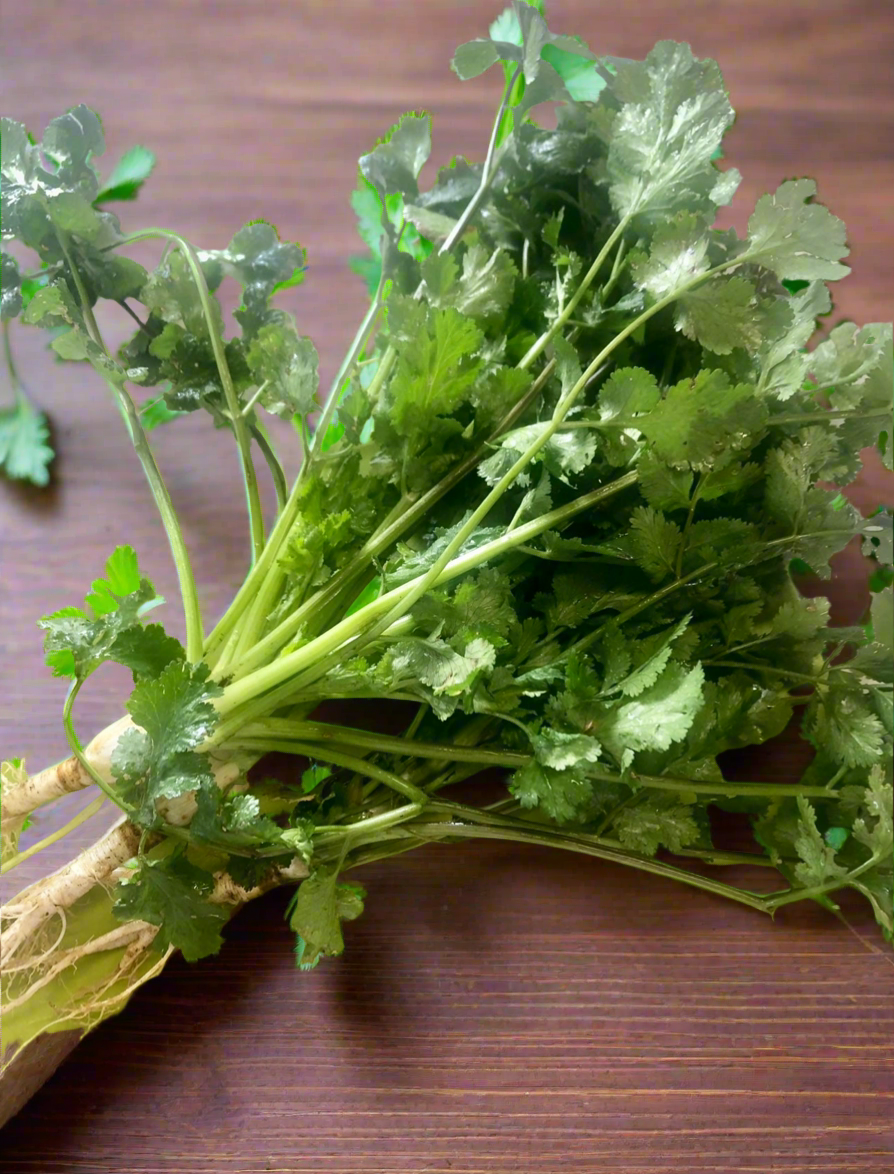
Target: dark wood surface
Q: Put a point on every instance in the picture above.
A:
(496, 1010)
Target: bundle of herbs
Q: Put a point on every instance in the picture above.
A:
(558, 498)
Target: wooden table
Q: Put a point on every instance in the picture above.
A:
(496, 1010)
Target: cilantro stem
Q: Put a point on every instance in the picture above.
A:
(262, 584)
(115, 381)
(546, 338)
(776, 901)
(310, 655)
(488, 170)
(349, 762)
(276, 470)
(499, 829)
(238, 424)
(831, 416)
(78, 752)
(370, 823)
(701, 479)
(402, 518)
(802, 678)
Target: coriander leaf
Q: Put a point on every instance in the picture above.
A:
(25, 452)
(649, 658)
(146, 651)
(287, 364)
(678, 253)
(262, 264)
(559, 750)
(564, 455)
(854, 365)
(171, 293)
(394, 164)
(317, 910)
(560, 794)
(173, 894)
(651, 825)
(782, 359)
(721, 314)
(874, 828)
(705, 422)
(175, 708)
(483, 291)
(673, 114)
(797, 239)
(10, 287)
(817, 865)
(626, 395)
(658, 717)
(128, 176)
(654, 542)
(842, 726)
(664, 488)
(78, 641)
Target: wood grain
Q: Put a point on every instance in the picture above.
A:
(495, 1010)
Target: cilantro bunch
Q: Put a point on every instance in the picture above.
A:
(551, 517)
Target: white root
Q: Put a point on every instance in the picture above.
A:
(125, 933)
(62, 888)
(67, 776)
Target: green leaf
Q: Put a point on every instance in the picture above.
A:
(483, 291)
(317, 910)
(818, 865)
(261, 263)
(25, 452)
(783, 363)
(128, 176)
(654, 542)
(560, 794)
(673, 114)
(10, 287)
(559, 750)
(664, 488)
(721, 314)
(658, 717)
(171, 293)
(157, 761)
(797, 239)
(651, 825)
(394, 164)
(678, 253)
(287, 364)
(78, 641)
(705, 423)
(839, 724)
(173, 894)
(435, 372)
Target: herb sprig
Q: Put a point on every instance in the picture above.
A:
(557, 497)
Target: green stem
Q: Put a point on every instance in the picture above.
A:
(775, 902)
(165, 506)
(276, 470)
(20, 857)
(240, 430)
(746, 666)
(487, 171)
(588, 846)
(693, 503)
(78, 752)
(349, 762)
(545, 339)
(405, 515)
(310, 654)
(831, 415)
(370, 823)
